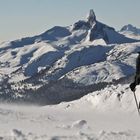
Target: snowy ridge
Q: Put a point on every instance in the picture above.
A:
(118, 62)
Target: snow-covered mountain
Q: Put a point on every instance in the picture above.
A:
(130, 31)
(98, 30)
(130, 28)
(76, 58)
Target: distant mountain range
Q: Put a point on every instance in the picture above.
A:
(130, 29)
(65, 63)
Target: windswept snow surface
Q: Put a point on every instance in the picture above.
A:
(109, 114)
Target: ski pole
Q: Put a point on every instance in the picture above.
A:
(136, 103)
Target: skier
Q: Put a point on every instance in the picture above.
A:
(136, 81)
(137, 76)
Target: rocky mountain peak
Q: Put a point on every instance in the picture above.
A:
(91, 17)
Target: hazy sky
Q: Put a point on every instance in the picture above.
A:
(19, 18)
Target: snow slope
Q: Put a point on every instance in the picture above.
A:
(100, 115)
(118, 62)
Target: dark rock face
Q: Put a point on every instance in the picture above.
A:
(81, 24)
(98, 31)
(95, 28)
(91, 18)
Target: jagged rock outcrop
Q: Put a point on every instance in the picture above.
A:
(98, 30)
(91, 18)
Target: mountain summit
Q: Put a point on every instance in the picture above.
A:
(91, 17)
(97, 30)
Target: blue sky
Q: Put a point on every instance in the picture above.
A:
(20, 18)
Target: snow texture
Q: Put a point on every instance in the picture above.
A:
(100, 115)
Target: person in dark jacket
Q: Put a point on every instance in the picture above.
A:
(137, 76)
